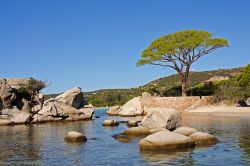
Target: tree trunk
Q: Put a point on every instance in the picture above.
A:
(184, 88)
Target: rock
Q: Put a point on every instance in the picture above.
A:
(132, 123)
(73, 136)
(17, 83)
(166, 140)
(136, 131)
(4, 122)
(152, 131)
(248, 101)
(11, 112)
(114, 110)
(73, 98)
(146, 95)
(56, 112)
(89, 106)
(167, 118)
(110, 123)
(202, 139)
(241, 103)
(42, 119)
(132, 108)
(7, 94)
(22, 118)
(26, 106)
(187, 131)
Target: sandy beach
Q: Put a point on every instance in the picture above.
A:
(219, 111)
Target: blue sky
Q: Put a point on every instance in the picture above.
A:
(95, 44)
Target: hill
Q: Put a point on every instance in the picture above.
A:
(166, 86)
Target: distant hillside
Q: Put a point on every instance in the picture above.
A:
(165, 86)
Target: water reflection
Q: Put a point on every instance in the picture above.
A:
(43, 144)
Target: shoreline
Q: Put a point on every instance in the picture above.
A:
(219, 111)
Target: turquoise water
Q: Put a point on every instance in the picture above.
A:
(43, 144)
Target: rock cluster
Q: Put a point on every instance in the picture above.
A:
(15, 109)
(181, 138)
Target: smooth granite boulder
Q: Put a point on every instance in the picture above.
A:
(110, 123)
(203, 139)
(73, 136)
(167, 118)
(166, 140)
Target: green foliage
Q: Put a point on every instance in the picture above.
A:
(204, 89)
(244, 78)
(188, 42)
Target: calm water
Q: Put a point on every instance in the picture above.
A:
(43, 144)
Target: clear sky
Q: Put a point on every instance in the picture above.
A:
(95, 44)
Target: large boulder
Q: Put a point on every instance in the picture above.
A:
(133, 107)
(73, 136)
(166, 140)
(203, 139)
(15, 116)
(22, 118)
(72, 97)
(113, 110)
(167, 118)
(187, 131)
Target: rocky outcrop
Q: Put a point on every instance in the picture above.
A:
(132, 123)
(167, 118)
(166, 140)
(17, 109)
(67, 106)
(187, 131)
(73, 136)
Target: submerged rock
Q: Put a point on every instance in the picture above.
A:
(110, 123)
(166, 140)
(187, 131)
(203, 139)
(73, 136)
(167, 118)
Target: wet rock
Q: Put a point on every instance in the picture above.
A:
(110, 123)
(203, 139)
(166, 140)
(167, 118)
(132, 123)
(136, 131)
(73, 136)
(187, 131)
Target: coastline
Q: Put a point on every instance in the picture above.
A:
(219, 111)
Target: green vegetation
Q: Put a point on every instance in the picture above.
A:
(230, 89)
(180, 50)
